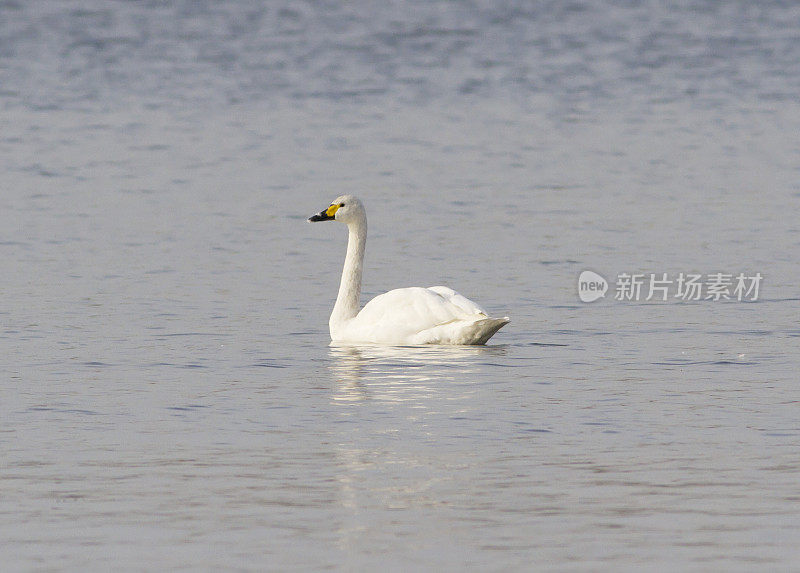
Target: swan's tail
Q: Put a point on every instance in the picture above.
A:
(482, 330)
(461, 332)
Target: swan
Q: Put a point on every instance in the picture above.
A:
(404, 316)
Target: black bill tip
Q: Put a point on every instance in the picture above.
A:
(323, 216)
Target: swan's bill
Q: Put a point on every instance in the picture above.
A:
(326, 214)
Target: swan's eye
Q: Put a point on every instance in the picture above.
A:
(341, 204)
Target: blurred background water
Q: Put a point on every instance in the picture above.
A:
(169, 399)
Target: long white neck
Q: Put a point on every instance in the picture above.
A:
(348, 300)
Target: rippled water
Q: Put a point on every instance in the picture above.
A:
(169, 397)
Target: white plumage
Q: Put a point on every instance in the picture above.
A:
(414, 315)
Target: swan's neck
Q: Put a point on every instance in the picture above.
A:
(347, 302)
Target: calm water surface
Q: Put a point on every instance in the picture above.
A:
(169, 398)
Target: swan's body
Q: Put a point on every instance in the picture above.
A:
(414, 315)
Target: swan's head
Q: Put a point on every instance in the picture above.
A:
(345, 208)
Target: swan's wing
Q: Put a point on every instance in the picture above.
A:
(459, 300)
(402, 315)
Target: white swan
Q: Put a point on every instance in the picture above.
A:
(415, 315)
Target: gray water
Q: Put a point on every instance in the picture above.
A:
(169, 398)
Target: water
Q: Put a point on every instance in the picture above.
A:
(169, 399)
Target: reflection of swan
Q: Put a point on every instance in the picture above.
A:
(407, 373)
(415, 315)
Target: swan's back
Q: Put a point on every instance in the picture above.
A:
(416, 315)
